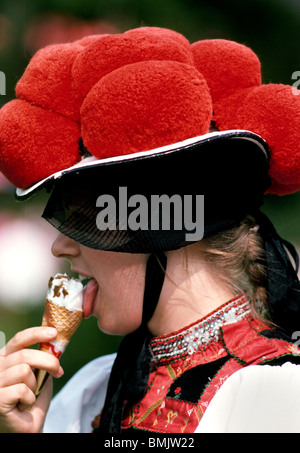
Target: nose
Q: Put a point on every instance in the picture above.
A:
(64, 247)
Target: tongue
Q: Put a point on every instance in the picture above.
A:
(89, 297)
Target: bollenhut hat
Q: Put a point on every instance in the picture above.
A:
(148, 111)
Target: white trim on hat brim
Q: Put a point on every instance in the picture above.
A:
(23, 194)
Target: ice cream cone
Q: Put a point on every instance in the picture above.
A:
(59, 313)
(65, 321)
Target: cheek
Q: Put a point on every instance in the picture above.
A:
(119, 304)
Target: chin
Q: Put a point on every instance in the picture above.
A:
(115, 328)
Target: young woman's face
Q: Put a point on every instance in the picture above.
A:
(115, 295)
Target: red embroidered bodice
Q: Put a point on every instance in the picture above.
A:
(190, 365)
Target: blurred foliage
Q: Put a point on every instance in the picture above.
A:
(269, 27)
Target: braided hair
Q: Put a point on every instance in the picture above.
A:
(238, 256)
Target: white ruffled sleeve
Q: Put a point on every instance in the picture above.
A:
(74, 408)
(256, 399)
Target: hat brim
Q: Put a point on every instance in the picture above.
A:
(163, 199)
(162, 152)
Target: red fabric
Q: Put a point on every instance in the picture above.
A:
(226, 65)
(111, 52)
(35, 142)
(148, 113)
(272, 111)
(161, 32)
(168, 102)
(241, 342)
(47, 79)
(87, 40)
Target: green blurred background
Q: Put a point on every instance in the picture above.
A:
(270, 27)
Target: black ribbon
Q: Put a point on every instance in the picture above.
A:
(131, 370)
(282, 280)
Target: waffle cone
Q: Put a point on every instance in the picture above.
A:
(66, 322)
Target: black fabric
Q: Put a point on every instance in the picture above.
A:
(276, 333)
(131, 370)
(221, 170)
(282, 280)
(193, 382)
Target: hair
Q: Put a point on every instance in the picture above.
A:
(238, 256)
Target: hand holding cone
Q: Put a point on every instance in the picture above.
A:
(63, 310)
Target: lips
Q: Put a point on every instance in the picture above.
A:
(89, 296)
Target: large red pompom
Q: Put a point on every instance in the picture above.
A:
(226, 110)
(87, 40)
(226, 65)
(46, 81)
(34, 143)
(111, 52)
(161, 32)
(168, 102)
(273, 112)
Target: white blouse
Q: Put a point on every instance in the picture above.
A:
(74, 408)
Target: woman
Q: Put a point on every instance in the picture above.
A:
(199, 291)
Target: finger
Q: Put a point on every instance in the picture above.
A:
(29, 337)
(40, 407)
(18, 374)
(11, 396)
(35, 359)
(43, 401)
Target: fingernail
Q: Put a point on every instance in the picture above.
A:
(60, 372)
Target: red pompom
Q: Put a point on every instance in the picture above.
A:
(273, 112)
(87, 40)
(161, 32)
(34, 143)
(143, 106)
(226, 65)
(111, 52)
(225, 110)
(46, 81)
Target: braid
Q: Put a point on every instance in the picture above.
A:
(238, 255)
(255, 266)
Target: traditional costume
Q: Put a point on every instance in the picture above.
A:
(148, 111)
